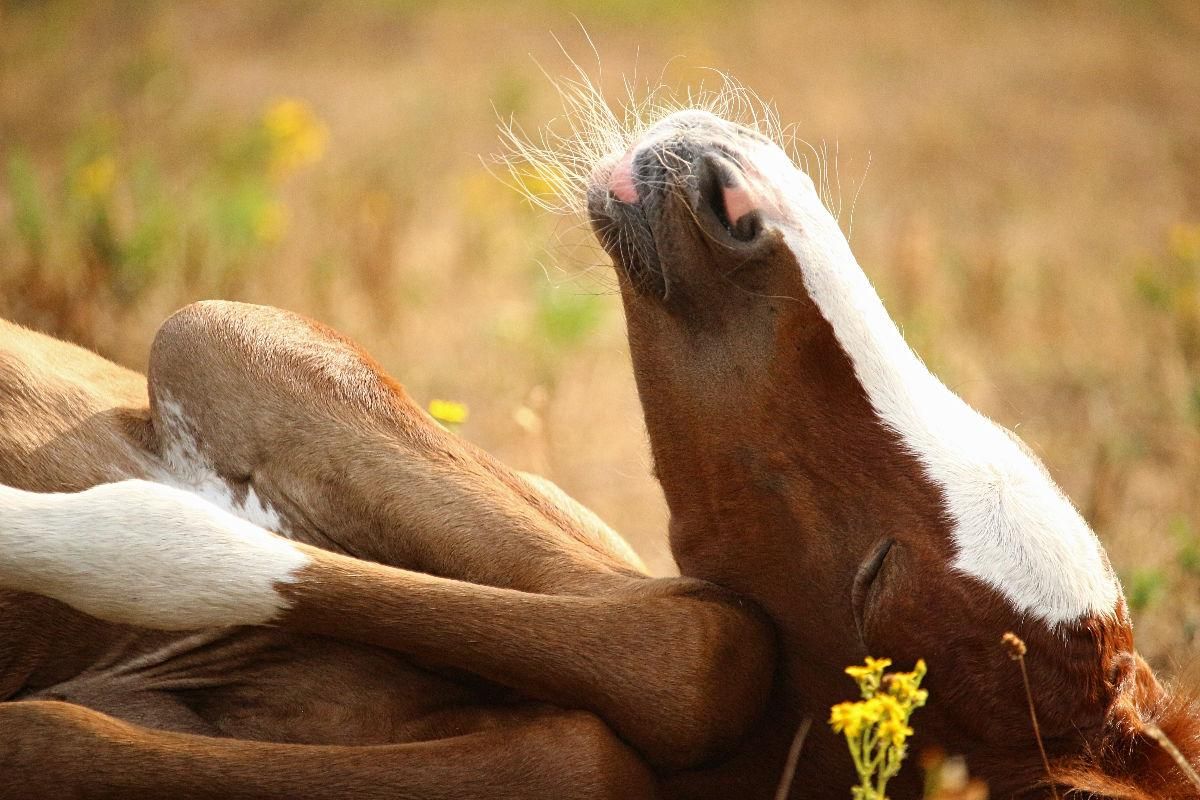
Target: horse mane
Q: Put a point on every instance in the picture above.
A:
(1148, 746)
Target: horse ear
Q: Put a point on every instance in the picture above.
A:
(1149, 748)
(1147, 691)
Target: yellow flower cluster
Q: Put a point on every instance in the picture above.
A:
(869, 675)
(884, 712)
(295, 135)
(876, 727)
(905, 687)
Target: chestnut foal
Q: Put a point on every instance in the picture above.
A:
(435, 625)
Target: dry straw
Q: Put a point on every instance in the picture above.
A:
(793, 758)
(1156, 733)
(1016, 649)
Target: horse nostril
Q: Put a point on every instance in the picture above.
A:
(726, 194)
(711, 183)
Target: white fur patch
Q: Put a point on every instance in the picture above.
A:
(1013, 527)
(145, 554)
(188, 469)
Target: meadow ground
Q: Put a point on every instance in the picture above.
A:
(1031, 213)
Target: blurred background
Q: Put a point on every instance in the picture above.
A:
(1023, 181)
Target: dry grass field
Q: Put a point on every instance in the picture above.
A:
(1023, 181)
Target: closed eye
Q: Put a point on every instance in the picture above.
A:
(864, 580)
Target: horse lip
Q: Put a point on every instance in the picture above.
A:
(625, 233)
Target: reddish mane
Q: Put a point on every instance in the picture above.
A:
(1131, 762)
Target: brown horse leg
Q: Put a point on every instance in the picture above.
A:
(679, 669)
(52, 750)
(252, 398)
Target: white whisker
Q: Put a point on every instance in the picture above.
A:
(552, 167)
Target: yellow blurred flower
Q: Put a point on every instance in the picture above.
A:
(95, 179)
(1185, 242)
(448, 412)
(297, 137)
(271, 222)
(543, 180)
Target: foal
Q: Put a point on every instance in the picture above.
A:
(829, 499)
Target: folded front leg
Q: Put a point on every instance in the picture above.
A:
(677, 668)
(305, 432)
(51, 750)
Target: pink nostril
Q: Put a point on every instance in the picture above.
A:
(738, 202)
(621, 181)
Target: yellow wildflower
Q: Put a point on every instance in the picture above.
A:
(296, 135)
(894, 731)
(848, 718)
(94, 181)
(869, 675)
(876, 728)
(904, 686)
(872, 666)
(448, 412)
(889, 707)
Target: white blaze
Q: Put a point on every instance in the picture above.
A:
(145, 554)
(1012, 526)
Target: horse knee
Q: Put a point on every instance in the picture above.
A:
(230, 379)
(596, 763)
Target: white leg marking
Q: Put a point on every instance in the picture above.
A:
(190, 470)
(144, 554)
